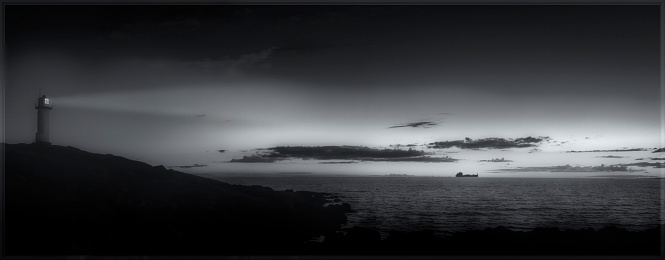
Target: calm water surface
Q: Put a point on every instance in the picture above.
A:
(447, 204)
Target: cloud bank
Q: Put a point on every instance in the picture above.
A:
(568, 168)
(358, 153)
(491, 143)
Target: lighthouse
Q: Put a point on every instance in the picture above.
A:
(43, 107)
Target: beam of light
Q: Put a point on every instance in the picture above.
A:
(148, 102)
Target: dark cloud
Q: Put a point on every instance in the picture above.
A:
(496, 160)
(401, 145)
(340, 152)
(413, 159)
(343, 162)
(492, 143)
(646, 164)
(359, 153)
(256, 159)
(422, 124)
(568, 168)
(604, 151)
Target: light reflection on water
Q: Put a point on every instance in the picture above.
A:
(446, 204)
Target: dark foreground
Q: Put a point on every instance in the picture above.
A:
(64, 201)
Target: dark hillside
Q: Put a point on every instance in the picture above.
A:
(65, 201)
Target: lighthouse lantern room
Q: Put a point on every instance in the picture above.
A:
(43, 107)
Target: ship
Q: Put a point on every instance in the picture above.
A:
(460, 174)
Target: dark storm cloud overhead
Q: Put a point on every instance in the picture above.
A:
(536, 61)
(483, 47)
(63, 74)
(185, 32)
(188, 32)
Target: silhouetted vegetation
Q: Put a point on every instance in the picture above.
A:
(492, 143)
(659, 150)
(357, 153)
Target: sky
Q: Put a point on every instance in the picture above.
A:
(173, 84)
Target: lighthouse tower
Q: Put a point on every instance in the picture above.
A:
(43, 107)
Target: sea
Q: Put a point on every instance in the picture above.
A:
(447, 204)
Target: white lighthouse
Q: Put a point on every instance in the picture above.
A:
(43, 107)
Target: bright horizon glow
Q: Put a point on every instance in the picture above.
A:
(186, 133)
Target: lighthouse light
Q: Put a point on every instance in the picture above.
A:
(43, 107)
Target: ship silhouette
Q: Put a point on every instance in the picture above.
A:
(460, 174)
